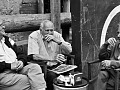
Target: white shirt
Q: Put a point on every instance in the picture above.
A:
(6, 53)
(36, 45)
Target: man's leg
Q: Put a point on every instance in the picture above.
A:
(35, 75)
(102, 80)
(13, 81)
(50, 77)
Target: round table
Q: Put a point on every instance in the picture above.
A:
(81, 86)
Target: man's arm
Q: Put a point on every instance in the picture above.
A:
(20, 54)
(4, 66)
(57, 38)
(107, 49)
(33, 50)
(104, 53)
(115, 64)
(65, 47)
(9, 66)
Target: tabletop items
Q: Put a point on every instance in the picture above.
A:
(71, 79)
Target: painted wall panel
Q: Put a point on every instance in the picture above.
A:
(94, 15)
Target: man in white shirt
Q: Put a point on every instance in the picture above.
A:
(15, 73)
(47, 44)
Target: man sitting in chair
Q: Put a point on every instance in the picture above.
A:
(110, 56)
(15, 73)
(47, 44)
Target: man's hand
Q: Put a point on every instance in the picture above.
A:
(111, 41)
(60, 58)
(106, 63)
(14, 65)
(17, 65)
(49, 38)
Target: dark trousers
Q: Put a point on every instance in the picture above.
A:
(50, 77)
(105, 78)
(49, 80)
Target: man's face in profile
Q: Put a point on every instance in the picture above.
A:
(118, 32)
(2, 31)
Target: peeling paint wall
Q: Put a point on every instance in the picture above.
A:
(10, 6)
(94, 14)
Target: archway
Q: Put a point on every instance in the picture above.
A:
(107, 22)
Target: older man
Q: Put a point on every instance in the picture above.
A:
(110, 56)
(15, 73)
(47, 44)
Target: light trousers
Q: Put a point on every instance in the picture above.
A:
(29, 78)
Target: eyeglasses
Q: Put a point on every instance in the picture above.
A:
(47, 30)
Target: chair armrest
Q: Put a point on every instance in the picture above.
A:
(117, 78)
(70, 58)
(89, 67)
(93, 62)
(70, 55)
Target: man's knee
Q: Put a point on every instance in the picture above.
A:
(50, 77)
(22, 82)
(103, 75)
(36, 67)
(23, 79)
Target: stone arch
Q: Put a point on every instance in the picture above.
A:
(107, 22)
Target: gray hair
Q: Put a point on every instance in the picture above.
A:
(43, 23)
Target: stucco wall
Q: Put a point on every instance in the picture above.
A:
(10, 6)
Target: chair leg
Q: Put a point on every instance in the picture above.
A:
(117, 80)
(45, 72)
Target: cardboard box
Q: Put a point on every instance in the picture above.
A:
(76, 78)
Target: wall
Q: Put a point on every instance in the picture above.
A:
(88, 18)
(94, 14)
(10, 6)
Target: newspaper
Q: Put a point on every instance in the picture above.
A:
(63, 68)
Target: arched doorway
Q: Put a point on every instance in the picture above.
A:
(115, 11)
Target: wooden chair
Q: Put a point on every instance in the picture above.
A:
(23, 46)
(93, 80)
(43, 63)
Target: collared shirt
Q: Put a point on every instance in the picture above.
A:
(6, 53)
(36, 45)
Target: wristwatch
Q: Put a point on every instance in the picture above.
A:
(60, 43)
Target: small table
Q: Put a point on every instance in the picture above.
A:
(81, 86)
